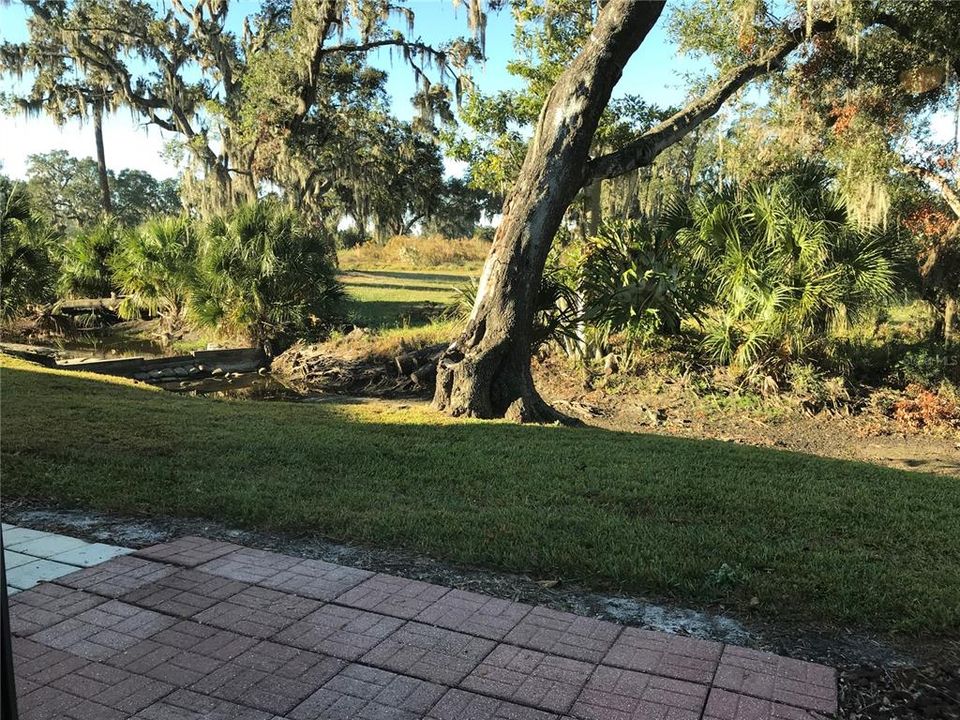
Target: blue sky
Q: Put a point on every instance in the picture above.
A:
(655, 73)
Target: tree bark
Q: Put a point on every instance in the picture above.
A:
(102, 160)
(486, 372)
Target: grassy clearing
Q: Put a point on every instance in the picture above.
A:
(389, 298)
(811, 539)
(409, 252)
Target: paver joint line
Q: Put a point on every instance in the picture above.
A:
(198, 628)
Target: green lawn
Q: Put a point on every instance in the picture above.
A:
(387, 298)
(704, 522)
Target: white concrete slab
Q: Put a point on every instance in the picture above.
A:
(6, 526)
(13, 559)
(90, 554)
(11, 590)
(26, 576)
(45, 547)
(20, 535)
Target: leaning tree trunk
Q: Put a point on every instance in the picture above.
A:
(102, 160)
(486, 372)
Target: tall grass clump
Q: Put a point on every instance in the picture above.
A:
(410, 252)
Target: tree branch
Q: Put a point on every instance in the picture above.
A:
(645, 149)
(927, 175)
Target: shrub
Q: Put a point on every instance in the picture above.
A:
(631, 278)
(153, 268)
(27, 271)
(787, 265)
(85, 262)
(922, 409)
(556, 316)
(929, 365)
(262, 274)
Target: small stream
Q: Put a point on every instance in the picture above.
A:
(112, 345)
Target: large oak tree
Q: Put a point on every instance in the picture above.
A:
(486, 371)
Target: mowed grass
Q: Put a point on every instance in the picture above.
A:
(809, 539)
(389, 298)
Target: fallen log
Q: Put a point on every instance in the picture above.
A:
(86, 304)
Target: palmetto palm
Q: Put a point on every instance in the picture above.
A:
(26, 243)
(788, 265)
(84, 261)
(153, 267)
(263, 274)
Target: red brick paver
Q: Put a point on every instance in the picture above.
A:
(204, 630)
(529, 677)
(316, 579)
(50, 703)
(340, 631)
(39, 664)
(187, 551)
(270, 677)
(725, 705)
(183, 653)
(249, 565)
(103, 631)
(186, 705)
(45, 605)
(658, 653)
(431, 653)
(117, 577)
(372, 694)
(257, 611)
(782, 680)
(615, 694)
(565, 634)
(391, 595)
(184, 593)
(463, 705)
(113, 687)
(475, 614)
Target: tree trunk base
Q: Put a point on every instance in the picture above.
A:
(477, 388)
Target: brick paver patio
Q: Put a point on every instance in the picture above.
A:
(199, 629)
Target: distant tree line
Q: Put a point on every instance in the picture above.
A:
(65, 191)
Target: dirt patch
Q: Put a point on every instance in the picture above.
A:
(671, 406)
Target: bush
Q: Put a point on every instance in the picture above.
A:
(788, 266)
(929, 365)
(484, 233)
(85, 262)
(263, 275)
(153, 267)
(27, 271)
(350, 237)
(632, 278)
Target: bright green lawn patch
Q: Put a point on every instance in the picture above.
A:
(812, 539)
(384, 298)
